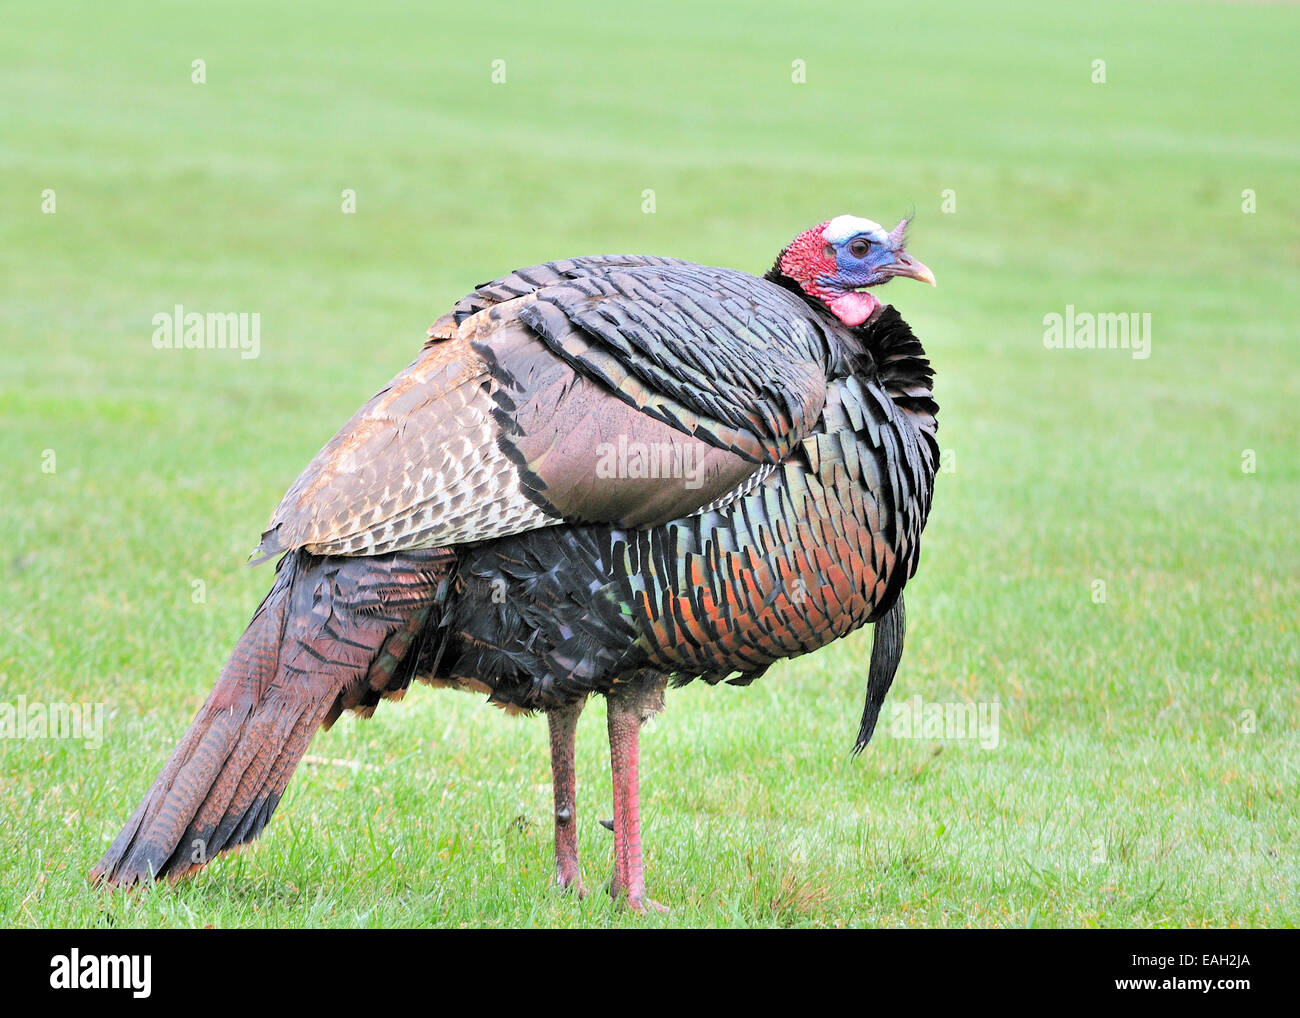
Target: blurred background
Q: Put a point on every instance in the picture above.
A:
(1111, 557)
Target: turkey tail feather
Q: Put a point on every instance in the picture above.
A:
(886, 650)
(331, 634)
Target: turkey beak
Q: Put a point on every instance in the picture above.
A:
(906, 265)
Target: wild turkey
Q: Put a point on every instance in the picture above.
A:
(599, 475)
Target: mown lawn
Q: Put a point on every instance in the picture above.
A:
(1098, 562)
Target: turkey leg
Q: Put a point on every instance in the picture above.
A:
(628, 709)
(564, 725)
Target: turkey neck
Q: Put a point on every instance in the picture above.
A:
(884, 349)
(881, 350)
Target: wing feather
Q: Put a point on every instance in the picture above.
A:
(622, 389)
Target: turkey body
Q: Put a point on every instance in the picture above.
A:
(600, 475)
(817, 548)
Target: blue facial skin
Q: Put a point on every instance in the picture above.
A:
(853, 272)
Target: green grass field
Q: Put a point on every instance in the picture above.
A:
(1149, 762)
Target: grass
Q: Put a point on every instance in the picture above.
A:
(1148, 765)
